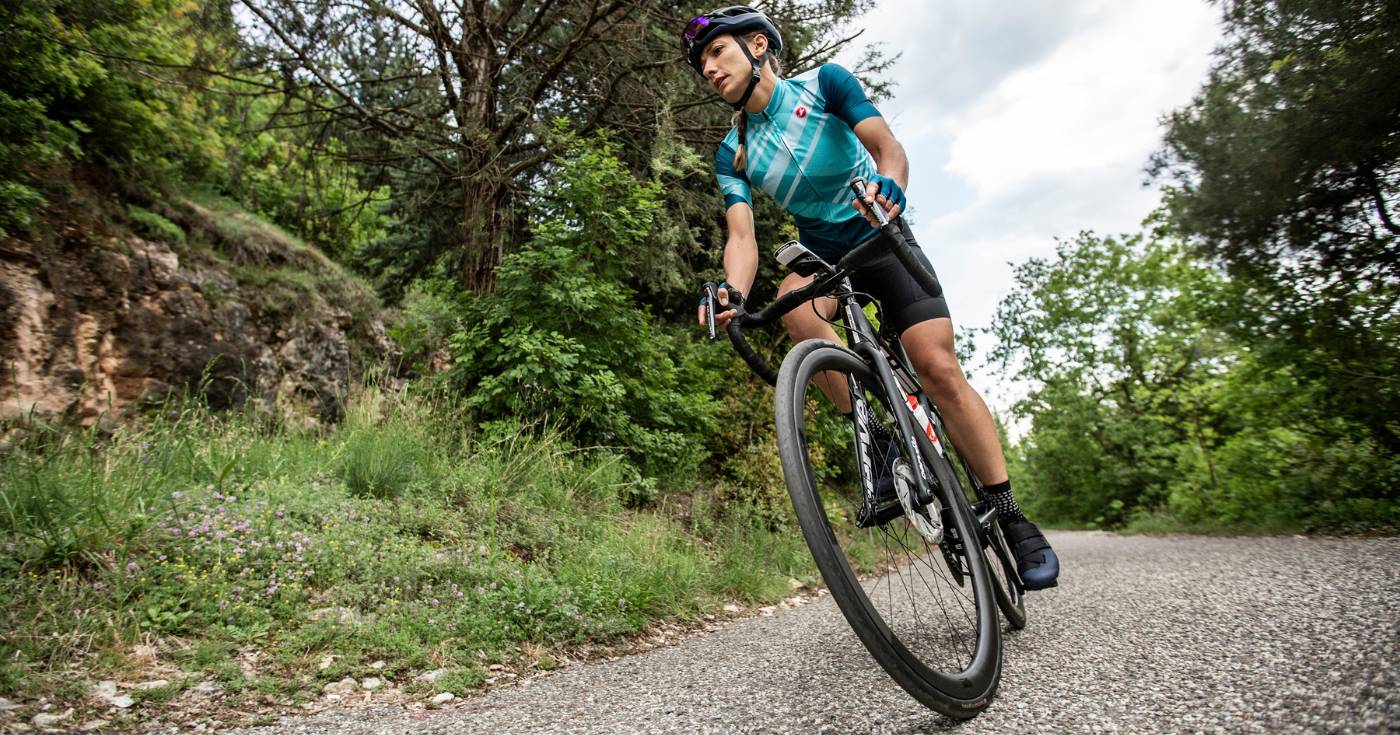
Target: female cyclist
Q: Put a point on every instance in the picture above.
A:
(802, 140)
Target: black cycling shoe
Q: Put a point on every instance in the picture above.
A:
(1035, 560)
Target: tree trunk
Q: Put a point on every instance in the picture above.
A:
(487, 232)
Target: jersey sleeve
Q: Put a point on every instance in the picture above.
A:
(734, 184)
(845, 98)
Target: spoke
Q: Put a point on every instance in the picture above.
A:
(951, 627)
(913, 599)
(937, 571)
(950, 646)
(938, 598)
(889, 588)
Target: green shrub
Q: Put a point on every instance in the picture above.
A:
(377, 465)
(155, 226)
(562, 336)
(429, 315)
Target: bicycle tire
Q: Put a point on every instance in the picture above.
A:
(950, 664)
(1011, 597)
(1006, 582)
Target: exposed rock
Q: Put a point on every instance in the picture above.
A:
(94, 323)
(344, 686)
(153, 684)
(444, 698)
(372, 683)
(104, 690)
(431, 676)
(342, 615)
(44, 720)
(6, 705)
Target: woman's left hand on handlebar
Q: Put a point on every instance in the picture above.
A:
(886, 192)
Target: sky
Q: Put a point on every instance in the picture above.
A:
(1030, 120)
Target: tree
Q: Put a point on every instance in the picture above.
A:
(455, 100)
(76, 84)
(562, 337)
(1111, 337)
(1286, 170)
(1141, 404)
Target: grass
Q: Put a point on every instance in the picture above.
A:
(401, 537)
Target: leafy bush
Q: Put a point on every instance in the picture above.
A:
(155, 226)
(67, 97)
(563, 337)
(428, 317)
(1143, 411)
(307, 189)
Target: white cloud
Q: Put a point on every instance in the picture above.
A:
(1092, 105)
(953, 52)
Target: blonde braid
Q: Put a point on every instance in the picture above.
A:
(741, 121)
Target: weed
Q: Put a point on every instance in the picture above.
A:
(398, 537)
(163, 693)
(461, 681)
(153, 225)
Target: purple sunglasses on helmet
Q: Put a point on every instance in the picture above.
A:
(693, 29)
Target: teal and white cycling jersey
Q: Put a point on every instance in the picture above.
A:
(801, 149)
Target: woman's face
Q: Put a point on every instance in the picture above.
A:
(725, 67)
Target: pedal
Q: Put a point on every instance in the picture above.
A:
(984, 516)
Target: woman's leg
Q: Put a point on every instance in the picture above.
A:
(969, 422)
(809, 321)
(970, 426)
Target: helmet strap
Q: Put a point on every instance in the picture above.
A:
(753, 78)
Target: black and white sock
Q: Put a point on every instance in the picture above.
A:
(1000, 495)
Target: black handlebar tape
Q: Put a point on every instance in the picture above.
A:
(865, 252)
(899, 244)
(775, 310)
(905, 252)
(755, 362)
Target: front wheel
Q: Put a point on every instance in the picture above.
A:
(926, 610)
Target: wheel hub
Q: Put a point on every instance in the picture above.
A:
(926, 519)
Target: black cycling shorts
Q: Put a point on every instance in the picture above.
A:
(903, 302)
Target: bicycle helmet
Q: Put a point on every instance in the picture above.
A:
(735, 20)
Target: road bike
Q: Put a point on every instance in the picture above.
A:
(926, 606)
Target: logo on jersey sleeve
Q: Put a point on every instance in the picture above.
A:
(800, 111)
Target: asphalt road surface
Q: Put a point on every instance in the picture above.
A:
(1179, 634)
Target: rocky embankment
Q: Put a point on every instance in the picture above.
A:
(103, 311)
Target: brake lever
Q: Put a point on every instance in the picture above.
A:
(711, 301)
(858, 186)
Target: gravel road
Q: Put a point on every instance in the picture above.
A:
(1180, 634)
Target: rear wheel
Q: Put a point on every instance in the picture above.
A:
(1006, 582)
(925, 607)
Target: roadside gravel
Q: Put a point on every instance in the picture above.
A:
(1177, 634)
